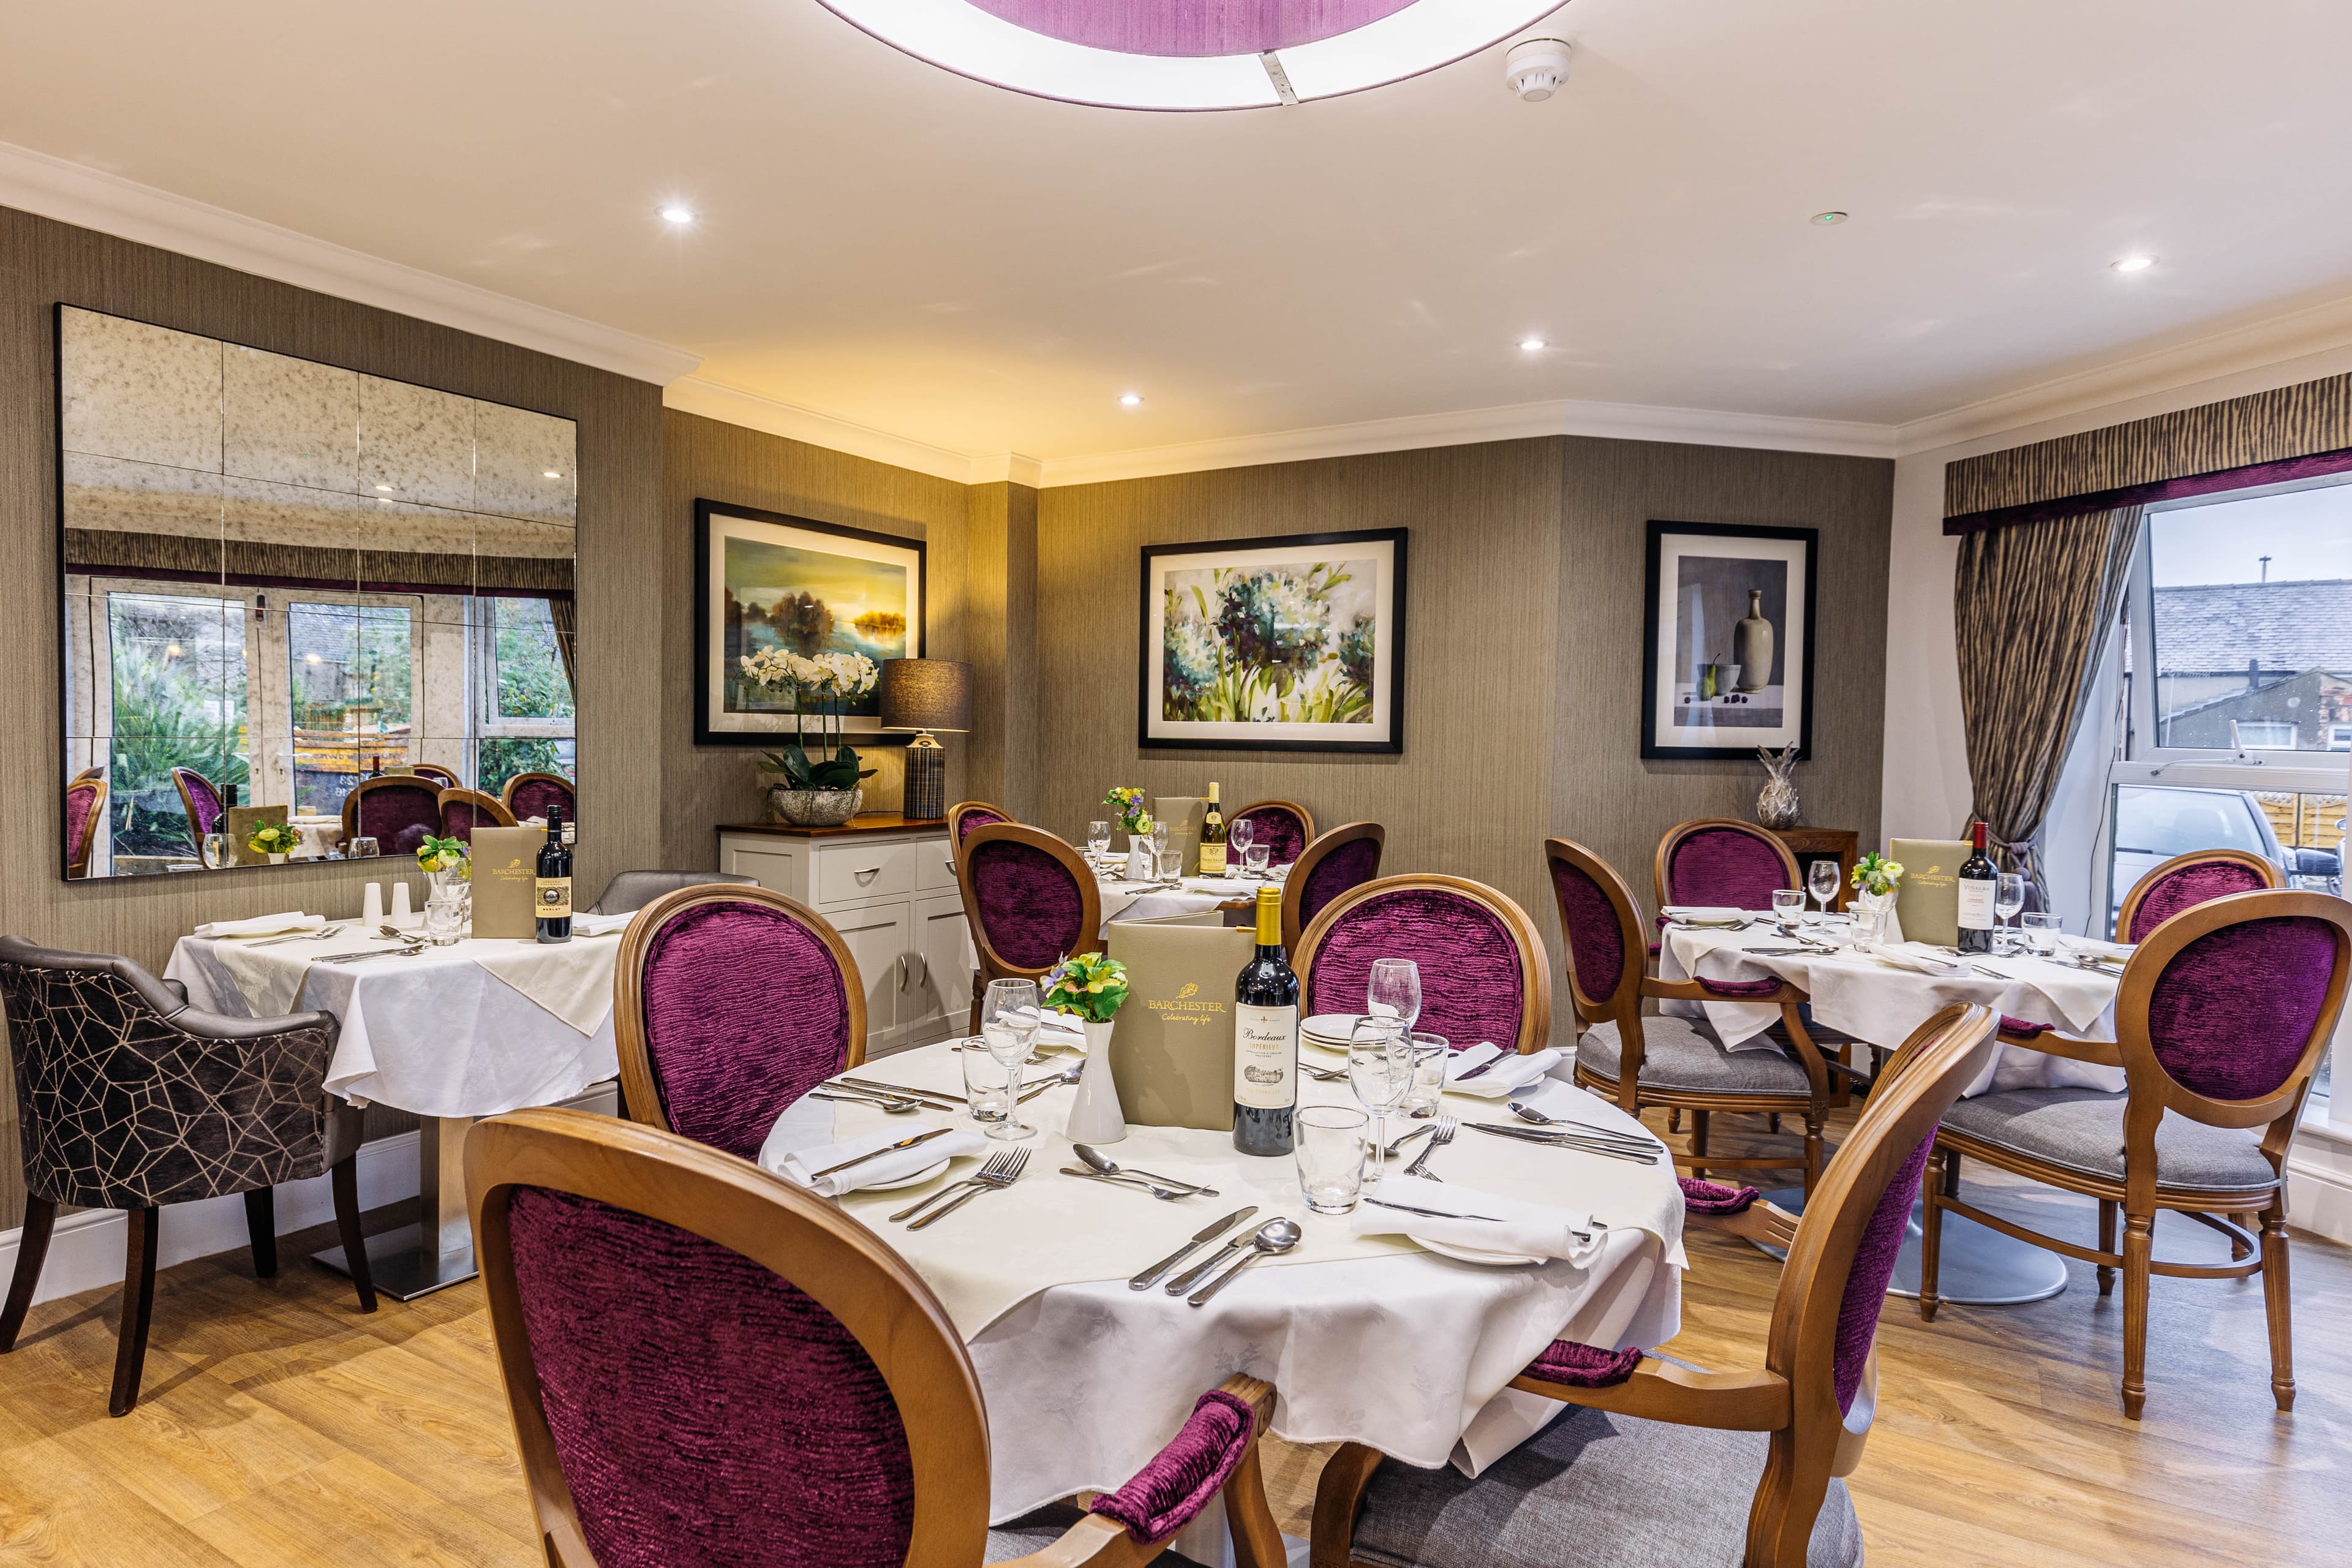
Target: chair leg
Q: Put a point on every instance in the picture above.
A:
(2140, 1248)
(2106, 1276)
(261, 1229)
(138, 1307)
(1674, 1118)
(1813, 1151)
(1931, 1228)
(345, 1180)
(1772, 1122)
(2276, 1304)
(979, 990)
(1698, 1125)
(2239, 1251)
(32, 1250)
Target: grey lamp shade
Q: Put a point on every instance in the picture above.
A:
(926, 694)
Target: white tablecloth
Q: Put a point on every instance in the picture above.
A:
(1125, 900)
(472, 1029)
(1858, 996)
(1376, 1340)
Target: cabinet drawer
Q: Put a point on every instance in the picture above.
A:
(934, 867)
(852, 873)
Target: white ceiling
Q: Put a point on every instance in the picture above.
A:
(895, 246)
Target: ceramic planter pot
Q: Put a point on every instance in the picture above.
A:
(814, 807)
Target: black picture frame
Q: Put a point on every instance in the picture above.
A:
(1736, 740)
(858, 731)
(1384, 689)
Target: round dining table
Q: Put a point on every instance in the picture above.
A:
(1367, 1336)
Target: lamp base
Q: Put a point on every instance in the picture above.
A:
(926, 797)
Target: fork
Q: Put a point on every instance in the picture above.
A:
(1447, 1128)
(321, 934)
(982, 1181)
(996, 1165)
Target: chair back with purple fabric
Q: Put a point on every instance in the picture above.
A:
(446, 777)
(706, 1364)
(1346, 856)
(464, 810)
(1029, 899)
(1720, 860)
(2187, 880)
(1284, 826)
(731, 1003)
(1601, 929)
(1484, 972)
(965, 816)
(399, 811)
(85, 806)
(200, 801)
(529, 794)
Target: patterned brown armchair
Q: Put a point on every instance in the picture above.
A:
(130, 1099)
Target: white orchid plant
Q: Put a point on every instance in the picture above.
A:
(827, 680)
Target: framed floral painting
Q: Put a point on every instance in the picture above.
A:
(1274, 645)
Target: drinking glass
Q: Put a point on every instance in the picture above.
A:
(1330, 1153)
(1823, 879)
(445, 916)
(1009, 1021)
(1254, 858)
(1098, 839)
(1171, 866)
(1430, 1055)
(1394, 991)
(213, 851)
(2008, 895)
(984, 1086)
(1788, 909)
(364, 848)
(2040, 929)
(1379, 1069)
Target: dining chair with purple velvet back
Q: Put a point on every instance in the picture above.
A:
(399, 811)
(1346, 856)
(2224, 1015)
(1030, 901)
(706, 1364)
(2187, 880)
(446, 777)
(1484, 972)
(1677, 1061)
(965, 816)
(85, 809)
(1723, 861)
(464, 810)
(729, 1003)
(202, 803)
(529, 794)
(1652, 1464)
(1284, 826)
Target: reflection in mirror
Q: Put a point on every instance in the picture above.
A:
(284, 579)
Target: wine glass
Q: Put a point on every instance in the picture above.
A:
(1239, 837)
(2008, 895)
(1823, 879)
(1394, 991)
(1379, 1069)
(1158, 837)
(1098, 841)
(1009, 1022)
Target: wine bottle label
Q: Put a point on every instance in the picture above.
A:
(1213, 859)
(1265, 1057)
(1975, 904)
(554, 896)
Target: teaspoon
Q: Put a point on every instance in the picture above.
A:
(1275, 1235)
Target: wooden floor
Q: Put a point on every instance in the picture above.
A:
(281, 1427)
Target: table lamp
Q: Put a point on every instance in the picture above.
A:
(924, 695)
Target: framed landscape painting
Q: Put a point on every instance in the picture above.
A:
(765, 580)
(1274, 645)
(1727, 640)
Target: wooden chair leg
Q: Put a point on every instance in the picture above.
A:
(1813, 1151)
(1674, 1118)
(979, 991)
(261, 1229)
(1931, 1229)
(1772, 1122)
(2276, 1304)
(344, 1182)
(2140, 1248)
(138, 1307)
(32, 1250)
(2239, 1251)
(2106, 1276)
(1698, 1125)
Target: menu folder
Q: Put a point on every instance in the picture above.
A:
(506, 879)
(1927, 899)
(1171, 1053)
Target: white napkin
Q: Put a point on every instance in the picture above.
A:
(1533, 1230)
(1223, 885)
(1063, 1031)
(1916, 961)
(1705, 914)
(601, 925)
(797, 1165)
(262, 925)
(1501, 1079)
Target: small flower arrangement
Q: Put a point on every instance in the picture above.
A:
(442, 854)
(1126, 802)
(830, 679)
(1877, 874)
(272, 838)
(1089, 984)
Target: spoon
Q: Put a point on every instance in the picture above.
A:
(1166, 1195)
(1275, 1235)
(883, 1103)
(1104, 1165)
(1067, 1075)
(1527, 1113)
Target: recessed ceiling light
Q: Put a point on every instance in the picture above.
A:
(1832, 218)
(1130, 400)
(2134, 264)
(383, 487)
(675, 214)
(552, 474)
(1532, 345)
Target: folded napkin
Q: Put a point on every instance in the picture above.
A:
(797, 1166)
(263, 925)
(1228, 886)
(1062, 1031)
(1501, 1079)
(1512, 1224)
(601, 925)
(1915, 960)
(1705, 914)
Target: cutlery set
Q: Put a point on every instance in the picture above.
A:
(1001, 1172)
(1586, 1139)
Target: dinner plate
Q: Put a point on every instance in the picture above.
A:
(1708, 915)
(1478, 1254)
(925, 1175)
(1336, 1026)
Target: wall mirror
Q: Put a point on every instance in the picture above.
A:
(299, 595)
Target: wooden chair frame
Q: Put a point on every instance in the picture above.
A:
(1794, 1396)
(1535, 964)
(640, 1090)
(2270, 874)
(1305, 818)
(1624, 1009)
(490, 806)
(994, 965)
(507, 790)
(447, 776)
(1677, 834)
(383, 780)
(77, 861)
(180, 777)
(846, 1269)
(2151, 1091)
(1317, 851)
(955, 816)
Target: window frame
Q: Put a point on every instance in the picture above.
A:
(482, 689)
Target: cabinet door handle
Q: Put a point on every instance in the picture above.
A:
(902, 972)
(864, 872)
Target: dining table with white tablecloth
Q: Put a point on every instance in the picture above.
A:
(1123, 899)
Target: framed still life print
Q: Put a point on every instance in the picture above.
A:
(765, 580)
(1294, 644)
(1727, 640)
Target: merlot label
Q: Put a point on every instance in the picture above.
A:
(554, 894)
(1975, 904)
(1265, 1057)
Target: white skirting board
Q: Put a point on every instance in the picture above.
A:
(85, 1248)
(2319, 1179)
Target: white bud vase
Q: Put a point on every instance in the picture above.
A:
(1095, 1115)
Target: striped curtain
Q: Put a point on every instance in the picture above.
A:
(2034, 605)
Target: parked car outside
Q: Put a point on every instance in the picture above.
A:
(2156, 821)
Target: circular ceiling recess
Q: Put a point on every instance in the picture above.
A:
(1190, 54)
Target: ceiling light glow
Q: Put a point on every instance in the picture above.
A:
(677, 215)
(2134, 264)
(552, 474)
(1532, 345)
(1130, 400)
(1832, 218)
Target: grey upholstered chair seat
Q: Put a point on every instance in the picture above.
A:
(1684, 1053)
(630, 891)
(1590, 1490)
(2082, 1130)
(1037, 1531)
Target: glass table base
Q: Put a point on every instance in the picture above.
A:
(1978, 1266)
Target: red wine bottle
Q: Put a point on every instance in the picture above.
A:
(552, 886)
(1266, 1039)
(1978, 878)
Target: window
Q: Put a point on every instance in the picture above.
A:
(351, 675)
(175, 686)
(2262, 735)
(523, 704)
(2339, 737)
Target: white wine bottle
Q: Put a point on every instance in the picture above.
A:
(1213, 838)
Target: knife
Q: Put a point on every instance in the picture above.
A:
(1484, 1067)
(1214, 1229)
(1431, 1213)
(1528, 1135)
(891, 1149)
(901, 1090)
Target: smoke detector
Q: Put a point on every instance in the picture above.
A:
(1535, 67)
